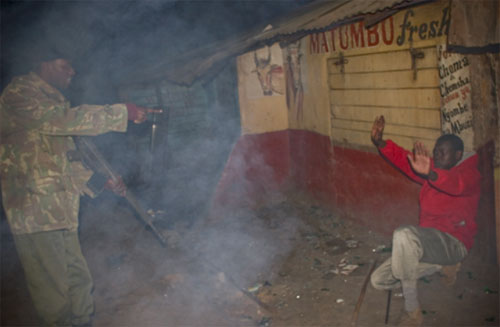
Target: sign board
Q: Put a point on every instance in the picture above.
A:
(455, 90)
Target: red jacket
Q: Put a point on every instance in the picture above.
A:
(449, 203)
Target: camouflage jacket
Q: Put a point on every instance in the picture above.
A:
(40, 187)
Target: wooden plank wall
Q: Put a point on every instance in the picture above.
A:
(383, 83)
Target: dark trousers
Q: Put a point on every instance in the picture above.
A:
(57, 275)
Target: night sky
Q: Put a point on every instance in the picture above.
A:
(106, 40)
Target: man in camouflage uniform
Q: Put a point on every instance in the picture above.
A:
(41, 188)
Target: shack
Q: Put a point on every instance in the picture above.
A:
(264, 140)
(310, 85)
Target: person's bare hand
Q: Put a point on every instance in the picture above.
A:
(117, 186)
(420, 160)
(378, 131)
(142, 114)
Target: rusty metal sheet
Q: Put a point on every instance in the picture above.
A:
(337, 12)
(474, 26)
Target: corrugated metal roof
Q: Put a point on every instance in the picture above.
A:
(317, 16)
(327, 13)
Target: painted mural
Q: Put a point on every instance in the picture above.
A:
(455, 89)
(269, 71)
(293, 74)
(350, 74)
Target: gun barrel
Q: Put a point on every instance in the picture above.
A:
(96, 161)
(145, 217)
(153, 134)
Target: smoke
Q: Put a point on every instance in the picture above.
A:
(111, 43)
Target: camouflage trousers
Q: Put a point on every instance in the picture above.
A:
(417, 252)
(57, 275)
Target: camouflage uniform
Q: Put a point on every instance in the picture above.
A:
(40, 187)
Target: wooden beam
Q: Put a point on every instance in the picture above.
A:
(497, 209)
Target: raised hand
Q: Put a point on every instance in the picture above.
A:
(420, 160)
(378, 131)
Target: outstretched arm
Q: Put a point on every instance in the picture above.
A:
(139, 114)
(391, 151)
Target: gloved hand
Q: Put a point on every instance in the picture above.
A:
(118, 186)
(139, 114)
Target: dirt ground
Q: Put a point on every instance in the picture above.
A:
(286, 262)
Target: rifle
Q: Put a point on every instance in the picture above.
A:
(90, 156)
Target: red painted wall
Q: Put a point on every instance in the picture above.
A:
(258, 163)
(356, 184)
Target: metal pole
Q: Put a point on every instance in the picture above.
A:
(387, 310)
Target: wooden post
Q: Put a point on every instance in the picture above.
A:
(497, 209)
(354, 318)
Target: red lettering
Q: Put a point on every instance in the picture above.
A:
(450, 97)
(388, 41)
(372, 36)
(356, 35)
(464, 92)
(342, 45)
(332, 33)
(324, 42)
(313, 43)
